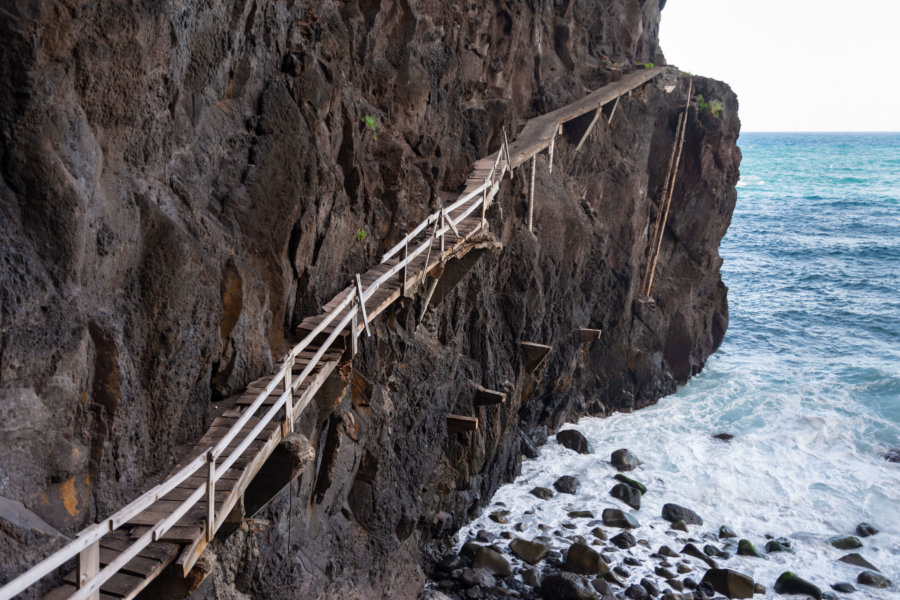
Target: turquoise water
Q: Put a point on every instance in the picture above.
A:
(807, 379)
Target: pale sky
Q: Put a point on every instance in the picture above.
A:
(796, 65)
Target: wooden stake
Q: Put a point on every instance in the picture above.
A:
(508, 160)
(460, 423)
(210, 497)
(584, 138)
(613, 111)
(552, 144)
(362, 305)
(531, 196)
(288, 404)
(89, 566)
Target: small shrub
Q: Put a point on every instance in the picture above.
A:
(648, 65)
(361, 235)
(370, 122)
(714, 106)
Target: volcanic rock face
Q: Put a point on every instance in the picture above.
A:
(181, 183)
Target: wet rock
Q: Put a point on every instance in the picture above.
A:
(892, 455)
(493, 561)
(567, 484)
(865, 530)
(584, 560)
(843, 587)
(627, 494)
(650, 587)
(625, 460)
(692, 550)
(637, 592)
(714, 552)
(847, 542)
(573, 440)
(475, 576)
(789, 583)
(675, 584)
(746, 548)
(624, 540)
(581, 514)
(664, 573)
(530, 552)
(759, 589)
(500, 516)
(613, 517)
(632, 482)
(689, 583)
(727, 532)
(666, 551)
(779, 545)
(484, 536)
(603, 587)
(679, 525)
(857, 560)
(871, 578)
(469, 549)
(674, 512)
(683, 568)
(566, 586)
(730, 583)
(542, 493)
(725, 437)
(621, 572)
(531, 577)
(598, 533)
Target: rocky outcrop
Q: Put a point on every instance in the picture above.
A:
(181, 184)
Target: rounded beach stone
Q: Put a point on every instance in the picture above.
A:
(873, 579)
(727, 532)
(573, 440)
(530, 552)
(789, 583)
(542, 493)
(627, 494)
(584, 560)
(847, 542)
(567, 484)
(613, 517)
(730, 583)
(624, 460)
(624, 540)
(865, 530)
(674, 512)
(746, 548)
(632, 482)
(566, 586)
(493, 561)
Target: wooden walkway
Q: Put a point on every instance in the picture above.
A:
(174, 521)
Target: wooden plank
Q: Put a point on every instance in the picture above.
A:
(179, 534)
(534, 355)
(484, 396)
(139, 566)
(589, 335)
(152, 517)
(159, 551)
(65, 591)
(119, 585)
(460, 423)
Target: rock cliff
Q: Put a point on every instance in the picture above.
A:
(182, 182)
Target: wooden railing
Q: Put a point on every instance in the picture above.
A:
(346, 313)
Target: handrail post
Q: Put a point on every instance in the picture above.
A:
(552, 144)
(210, 497)
(508, 159)
(354, 329)
(531, 196)
(405, 257)
(88, 567)
(442, 233)
(362, 304)
(289, 403)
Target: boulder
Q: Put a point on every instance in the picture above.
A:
(624, 540)
(847, 542)
(650, 587)
(729, 583)
(637, 592)
(573, 440)
(857, 560)
(873, 579)
(469, 549)
(843, 587)
(627, 494)
(530, 552)
(865, 530)
(788, 583)
(715, 552)
(692, 550)
(779, 545)
(567, 484)
(624, 460)
(480, 577)
(542, 493)
(584, 560)
(726, 532)
(493, 561)
(499, 516)
(680, 525)
(566, 586)
(581, 514)
(674, 512)
(598, 533)
(892, 455)
(613, 517)
(746, 548)
(633, 483)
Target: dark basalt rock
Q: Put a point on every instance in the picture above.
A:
(892, 455)
(779, 545)
(730, 583)
(843, 587)
(613, 517)
(674, 512)
(637, 592)
(567, 484)
(627, 494)
(566, 586)
(726, 532)
(746, 548)
(849, 542)
(493, 561)
(584, 560)
(624, 540)
(573, 440)
(529, 551)
(542, 493)
(692, 550)
(788, 583)
(865, 530)
(650, 587)
(873, 579)
(624, 460)
(856, 559)
(725, 437)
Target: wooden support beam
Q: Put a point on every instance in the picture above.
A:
(589, 335)
(484, 396)
(460, 423)
(534, 355)
(589, 129)
(531, 195)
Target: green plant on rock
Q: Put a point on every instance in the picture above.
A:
(361, 235)
(370, 122)
(713, 106)
(648, 65)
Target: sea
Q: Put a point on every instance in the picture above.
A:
(807, 381)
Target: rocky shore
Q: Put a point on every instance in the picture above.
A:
(600, 550)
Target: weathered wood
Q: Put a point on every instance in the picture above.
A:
(460, 423)
(179, 534)
(88, 567)
(65, 591)
(589, 335)
(159, 551)
(533, 355)
(484, 396)
(590, 128)
(120, 585)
